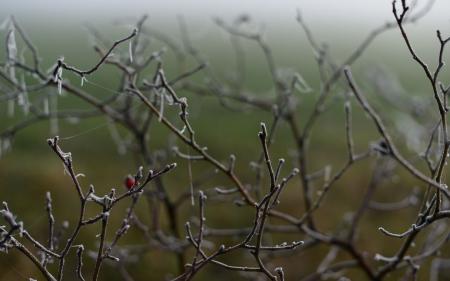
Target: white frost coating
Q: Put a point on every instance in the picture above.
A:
(25, 100)
(191, 184)
(59, 86)
(301, 85)
(11, 45)
(54, 126)
(11, 50)
(161, 107)
(130, 50)
(58, 78)
(83, 79)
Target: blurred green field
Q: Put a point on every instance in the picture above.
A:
(31, 168)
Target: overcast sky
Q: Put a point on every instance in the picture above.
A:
(334, 21)
(358, 11)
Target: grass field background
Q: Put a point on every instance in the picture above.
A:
(31, 168)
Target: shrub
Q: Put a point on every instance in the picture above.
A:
(256, 249)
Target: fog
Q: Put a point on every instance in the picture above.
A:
(323, 11)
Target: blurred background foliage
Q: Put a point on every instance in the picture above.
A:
(385, 72)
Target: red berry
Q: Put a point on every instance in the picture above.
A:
(130, 182)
